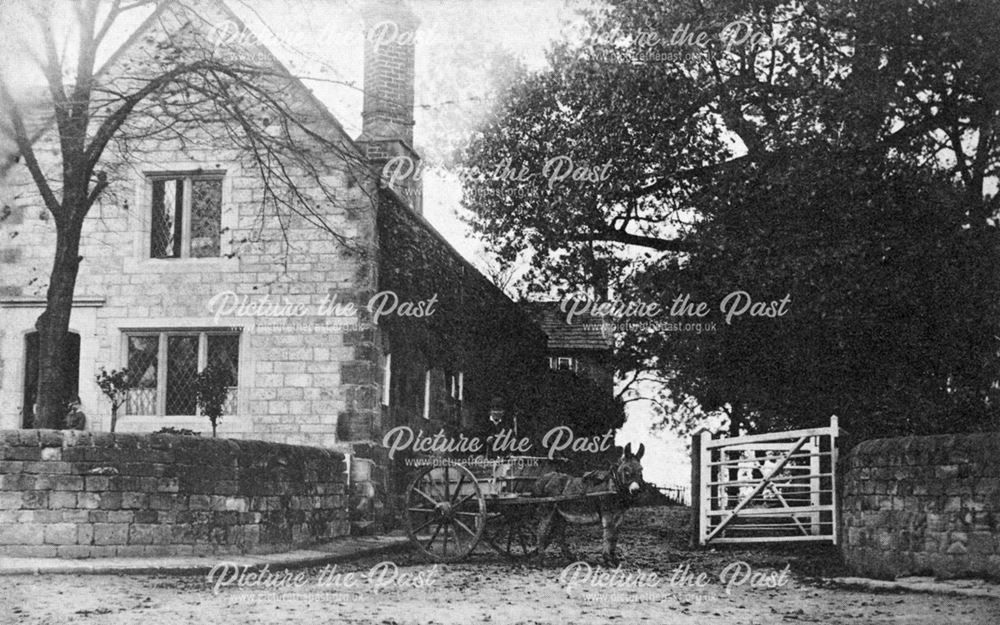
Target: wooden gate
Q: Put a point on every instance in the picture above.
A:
(771, 487)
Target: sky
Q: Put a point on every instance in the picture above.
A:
(459, 45)
(456, 41)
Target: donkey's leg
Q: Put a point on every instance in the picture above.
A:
(610, 522)
(545, 530)
(560, 533)
(613, 536)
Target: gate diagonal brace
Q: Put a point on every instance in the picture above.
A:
(757, 489)
(784, 502)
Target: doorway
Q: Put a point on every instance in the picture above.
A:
(71, 373)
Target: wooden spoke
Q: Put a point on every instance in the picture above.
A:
(423, 525)
(463, 526)
(470, 539)
(433, 490)
(421, 510)
(425, 496)
(471, 495)
(512, 533)
(458, 489)
(433, 536)
(455, 534)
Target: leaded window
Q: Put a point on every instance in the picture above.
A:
(186, 216)
(163, 366)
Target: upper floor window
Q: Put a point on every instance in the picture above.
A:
(186, 216)
(457, 383)
(386, 378)
(562, 363)
(443, 394)
(427, 394)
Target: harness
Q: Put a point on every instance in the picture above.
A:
(624, 496)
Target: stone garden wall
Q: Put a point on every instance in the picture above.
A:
(923, 505)
(85, 494)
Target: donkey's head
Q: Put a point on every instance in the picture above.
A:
(628, 471)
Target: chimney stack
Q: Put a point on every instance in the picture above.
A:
(387, 114)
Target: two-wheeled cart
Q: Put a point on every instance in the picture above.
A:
(451, 507)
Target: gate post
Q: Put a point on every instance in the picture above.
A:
(697, 531)
(834, 494)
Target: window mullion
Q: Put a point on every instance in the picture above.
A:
(161, 375)
(186, 244)
(202, 361)
(202, 351)
(125, 367)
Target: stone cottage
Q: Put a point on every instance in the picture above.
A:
(181, 269)
(583, 345)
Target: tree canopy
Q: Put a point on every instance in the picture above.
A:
(840, 153)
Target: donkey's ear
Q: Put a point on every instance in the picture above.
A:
(628, 450)
(642, 450)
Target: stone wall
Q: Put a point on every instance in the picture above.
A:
(82, 494)
(923, 505)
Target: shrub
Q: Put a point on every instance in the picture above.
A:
(211, 389)
(178, 431)
(115, 385)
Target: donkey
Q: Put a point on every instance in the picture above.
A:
(624, 479)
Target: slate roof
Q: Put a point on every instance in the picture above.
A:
(586, 332)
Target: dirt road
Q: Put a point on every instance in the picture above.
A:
(657, 583)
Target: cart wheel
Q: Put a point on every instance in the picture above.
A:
(512, 532)
(445, 512)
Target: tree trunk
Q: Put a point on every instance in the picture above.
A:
(53, 328)
(735, 419)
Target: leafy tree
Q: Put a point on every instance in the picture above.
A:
(115, 385)
(211, 388)
(183, 85)
(845, 157)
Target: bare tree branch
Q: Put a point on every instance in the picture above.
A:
(620, 236)
(24, 146)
